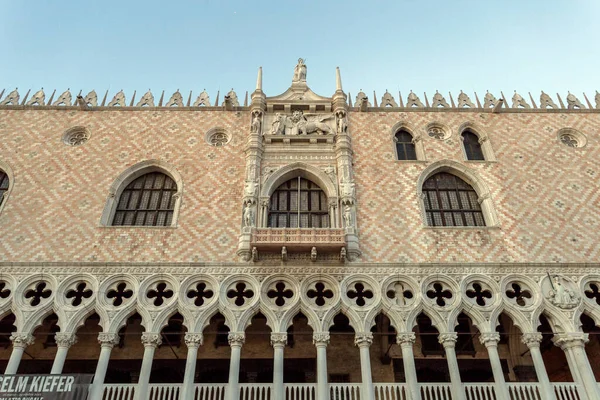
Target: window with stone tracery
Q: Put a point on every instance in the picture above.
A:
(473, 150)
(450, 201)
(3, 184)
(298, 203)
(405, 148)
(147, 201)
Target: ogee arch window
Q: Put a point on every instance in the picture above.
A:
(147, 201)
(450, 201)
(405, 148)
(472, 146)
(3, 185)
(298, 203)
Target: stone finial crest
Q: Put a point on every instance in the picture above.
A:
(146, 100)
(439, 100)
(202, 100)
(573, 102)
(489, 100)
(65, 98)
(387, 100)
(231, 99)
(464, 101)
(91, 99)
(175, 100)
(118, 100)
(12, 98)
(597, 98)
(38, 98)
(413, 100)
(546, 101)
(519, 101)
(361, 99)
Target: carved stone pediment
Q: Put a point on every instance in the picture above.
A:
(299, 93)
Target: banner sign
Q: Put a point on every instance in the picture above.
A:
(44, 387)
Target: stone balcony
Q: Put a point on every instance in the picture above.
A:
(325, 240)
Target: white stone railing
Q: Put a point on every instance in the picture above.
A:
(303, 237)
(479, 391)
(119, 391)
(565, 391)
(524, 390)
(390, 391)
(253, 391)
(344, 391)
(300, 391)
(207, 391)
(435, 391)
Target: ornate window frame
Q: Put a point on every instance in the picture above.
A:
(11, 183)
(128, 176)
(417, 140)
(484, 141)
(472, 178)
(579, 138)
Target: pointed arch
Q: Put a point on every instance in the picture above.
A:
(415, 141)
(481, 139)
(467, 175)
(7, 182)
(131, 174)
(303, 170)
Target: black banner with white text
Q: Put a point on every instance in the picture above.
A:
(44, 387)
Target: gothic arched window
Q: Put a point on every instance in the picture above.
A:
(450, 201)
(472, 146)
(147, 201)
(405, 148)
(3, 185)
(298, 203)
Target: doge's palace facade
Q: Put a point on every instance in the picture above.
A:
(302, 247)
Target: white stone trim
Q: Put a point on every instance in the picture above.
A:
(484, 141)
(417, 140)
(128, 176)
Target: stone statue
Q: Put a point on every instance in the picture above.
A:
(202, 100)
(64, 98)
(278, 124)
(573, 102)
(519, 101)
(387, 100)
(313, 254)
(489, 100)
(91, 99)
(546, 101)
(256, 122)
(560, 296)
(146, 100)
(330, 171)
(12, 98)
(347, 216)
(342, 122)
(464, 101)
(119, 99)
(38, 98)
(312, 124)
(175, 100)
(300, 71)
(413, 100)
(439, 100)
(248, 216)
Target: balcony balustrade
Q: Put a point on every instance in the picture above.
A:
(298, 239)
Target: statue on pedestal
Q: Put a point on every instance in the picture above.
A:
(300, 71)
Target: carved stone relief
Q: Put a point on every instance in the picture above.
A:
(299, 123)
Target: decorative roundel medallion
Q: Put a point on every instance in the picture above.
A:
(76, 136)
(38, 294)
(519, 291)
(440, 291)
(572, 138)
(320, 291)
(480, 291)
(240, 294)
(217, 137)
(360, 292)
(399, 292)
(199, 291)
(120, 293)
(279, 292)
(438, 131)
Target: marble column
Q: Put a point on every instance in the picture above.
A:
(406, 342)
(107, 342)
(573, 344)
(490, 340)
(448, 340)
(364, 340)
(193, 341)
(278, 341)
(150, 340)
(236, 340)
(20, 341)
(64, 341)
(532, 341)
(321, 340)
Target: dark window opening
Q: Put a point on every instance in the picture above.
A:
(405, 148)
(3, 184)
(299, 203)
(472, 146)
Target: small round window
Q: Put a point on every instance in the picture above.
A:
(76, 136)
(217, 137)
(572, 138)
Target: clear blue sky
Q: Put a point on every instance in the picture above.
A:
(423, 45)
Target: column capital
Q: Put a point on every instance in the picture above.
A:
(21, 340)
(65, 339)
(236, 338)
(448, 339)
(406, 339)
(108, 339)
(362, 339)
(570, 340)
(489, 338)
(532, 339)
(278, 339)
(193, 339)
(151, 339)
(321, 338)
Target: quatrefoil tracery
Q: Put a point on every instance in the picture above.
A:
(4, 291)
(593, 293)
(519, 294)
(319, 294)
(360, 293)
(38, 294)
(119, 294)
(200, 294)
(240, 294)
(479, 294)
(399, 294)
(160, 294)
(280, 294)
(79, 293)
(439, 294)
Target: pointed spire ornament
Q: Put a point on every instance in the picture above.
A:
(338, 79)
(258, 80)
